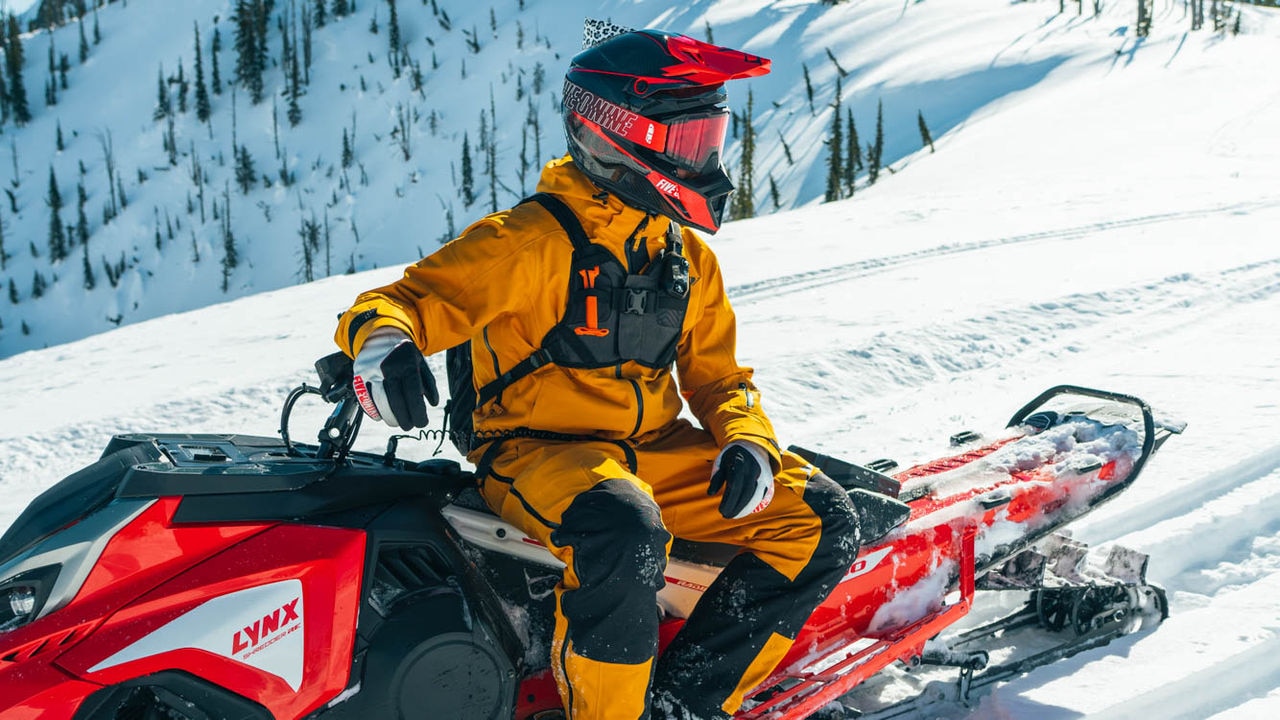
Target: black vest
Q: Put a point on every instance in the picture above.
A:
(611, 316)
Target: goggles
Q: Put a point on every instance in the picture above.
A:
(691, 142)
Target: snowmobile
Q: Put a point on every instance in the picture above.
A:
(197, 576)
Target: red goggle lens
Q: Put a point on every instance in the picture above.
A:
(693, 141)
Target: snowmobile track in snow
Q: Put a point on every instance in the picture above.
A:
(749, 293)
(914, 356)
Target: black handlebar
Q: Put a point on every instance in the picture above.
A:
(340, 430)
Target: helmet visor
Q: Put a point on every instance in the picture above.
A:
(694, 141)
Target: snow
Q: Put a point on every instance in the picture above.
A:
(1096, 212)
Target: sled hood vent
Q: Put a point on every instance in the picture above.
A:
(404, 571)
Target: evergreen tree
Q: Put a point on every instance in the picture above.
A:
(203, 109)
(347, 155)
(306, 47)
(4, 82)
(59, 141)
(245, 172)
(82, 220)
(13, 292)
(743, 204)
(90, 281)
(38, 285)
(808, 88)
(773, 193)
(164, 107)
(925, 137)
(184, 88)
(51, 89)
(853, 159)
(84, 42)
(4, 254)
(215, 77)
(230, 256)
(319, 13)
(835, 149)
(294, 112)
(14, 60)
(57, 235)
(340, 8)
(393, 29)
(875, 153)
(468, 179)
(294, 83)
(64, 66)
(250, 47)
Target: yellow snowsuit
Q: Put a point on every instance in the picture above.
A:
(607, 507)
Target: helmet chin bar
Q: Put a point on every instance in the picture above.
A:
(697, 202)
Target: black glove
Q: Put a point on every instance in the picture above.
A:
(392, 379)
(743, 470)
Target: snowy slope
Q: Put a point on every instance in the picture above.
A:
(1100, 210)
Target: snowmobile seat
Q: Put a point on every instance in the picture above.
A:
(877, 515)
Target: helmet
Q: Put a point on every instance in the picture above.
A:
(645, 119)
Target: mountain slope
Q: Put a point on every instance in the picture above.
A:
(165, 248)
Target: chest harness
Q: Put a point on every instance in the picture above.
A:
(612, 315)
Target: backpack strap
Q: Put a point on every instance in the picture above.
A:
(573, 228)
(563, 215)
(494, 388)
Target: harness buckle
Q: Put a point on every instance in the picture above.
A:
(635, 301)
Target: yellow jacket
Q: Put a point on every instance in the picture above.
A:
(504, 283)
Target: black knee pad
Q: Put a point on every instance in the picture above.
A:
(619, 556)
(841, 536)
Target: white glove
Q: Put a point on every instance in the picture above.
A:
(392, 378)
(742, 468)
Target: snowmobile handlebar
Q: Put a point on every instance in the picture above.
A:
(339, 431)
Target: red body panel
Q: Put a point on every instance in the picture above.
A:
(46, 669)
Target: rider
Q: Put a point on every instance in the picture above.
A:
(577, 304)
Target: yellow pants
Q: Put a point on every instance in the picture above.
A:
(608, 510)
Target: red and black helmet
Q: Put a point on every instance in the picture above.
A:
(645, 117)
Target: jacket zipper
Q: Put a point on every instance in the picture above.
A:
(497, 371)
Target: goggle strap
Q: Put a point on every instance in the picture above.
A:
(615, 118)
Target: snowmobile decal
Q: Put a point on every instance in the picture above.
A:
(866, 563)
(261, 627)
